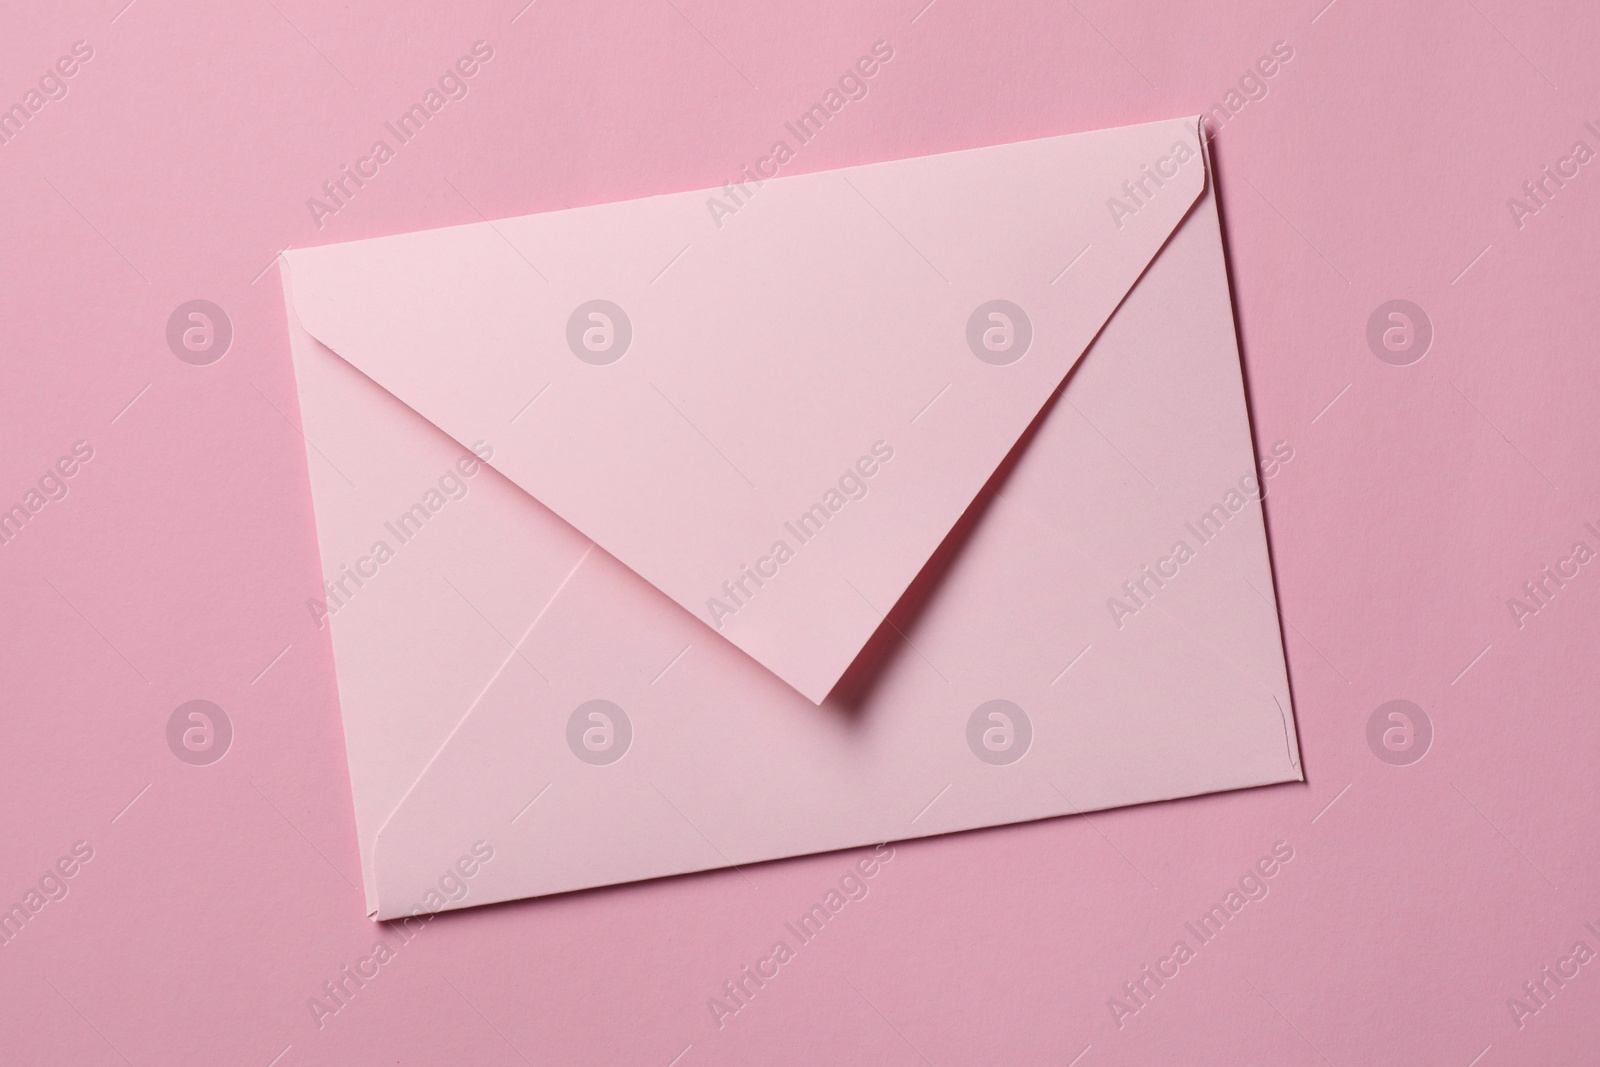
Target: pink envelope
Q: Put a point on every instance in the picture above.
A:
(610, 499)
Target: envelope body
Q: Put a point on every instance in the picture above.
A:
(725, 526)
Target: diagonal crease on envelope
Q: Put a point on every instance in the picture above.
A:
(769, 429)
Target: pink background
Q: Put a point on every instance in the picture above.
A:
(1377, 167)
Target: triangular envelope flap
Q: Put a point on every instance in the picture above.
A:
(772, 402)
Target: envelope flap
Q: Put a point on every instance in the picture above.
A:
(771, 401)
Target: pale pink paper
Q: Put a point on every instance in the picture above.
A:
(764, 362)
(718, 763)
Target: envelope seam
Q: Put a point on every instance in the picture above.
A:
(377, 838)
